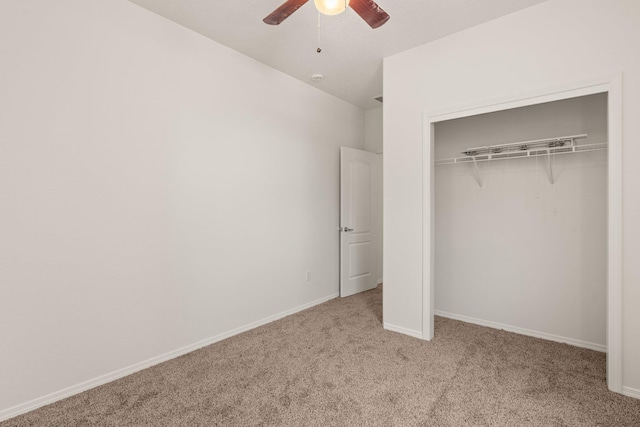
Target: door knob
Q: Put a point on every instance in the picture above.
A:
(347, 229)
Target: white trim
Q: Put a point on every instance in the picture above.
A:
(428, 230)
(612, 85)
(522, 331)
(404, 331)
(614, 226)
(112, 376)
(631, 392)
(379, 281)
(524, 99)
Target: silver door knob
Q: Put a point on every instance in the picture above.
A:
(347, 229)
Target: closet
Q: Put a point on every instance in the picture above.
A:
(520, 221)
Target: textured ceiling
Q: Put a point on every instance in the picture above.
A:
(352, 52)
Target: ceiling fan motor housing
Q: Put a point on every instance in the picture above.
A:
(366, 9)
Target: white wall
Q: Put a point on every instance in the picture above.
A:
(373, 143)
(156, 189)
(554, 43)
(373, 121)
(520, 251)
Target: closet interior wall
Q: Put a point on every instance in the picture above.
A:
(520, 251)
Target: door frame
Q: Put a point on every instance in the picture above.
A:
(612, 85)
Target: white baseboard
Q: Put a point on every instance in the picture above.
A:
(405, 331)
(631, 392)
(112, 376)
(522, 331)
(379, 281)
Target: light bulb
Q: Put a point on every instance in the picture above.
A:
(331, 7)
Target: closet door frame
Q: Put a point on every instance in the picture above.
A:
(612, 86)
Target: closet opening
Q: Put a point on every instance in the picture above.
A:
(522, 219)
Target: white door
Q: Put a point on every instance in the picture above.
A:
(358, 174)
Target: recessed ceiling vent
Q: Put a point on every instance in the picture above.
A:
(378, 98)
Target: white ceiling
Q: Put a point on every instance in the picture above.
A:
(352, 52)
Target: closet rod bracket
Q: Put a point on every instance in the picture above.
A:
(477, 172)
(550, 167)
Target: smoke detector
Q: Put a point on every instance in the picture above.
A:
(317, 78)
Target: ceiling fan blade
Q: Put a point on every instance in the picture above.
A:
(370, 12)
(283, 12)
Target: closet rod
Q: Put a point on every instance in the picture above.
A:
(525, 145)
(523, 153)
(531, 148)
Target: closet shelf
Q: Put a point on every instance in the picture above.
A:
(539, 147)
(524, 153)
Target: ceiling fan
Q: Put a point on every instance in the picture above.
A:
(367, 9)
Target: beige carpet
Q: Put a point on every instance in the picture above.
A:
(334, 365)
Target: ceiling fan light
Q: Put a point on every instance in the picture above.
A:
(331, 7)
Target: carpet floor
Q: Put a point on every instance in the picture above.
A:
(334, 365)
